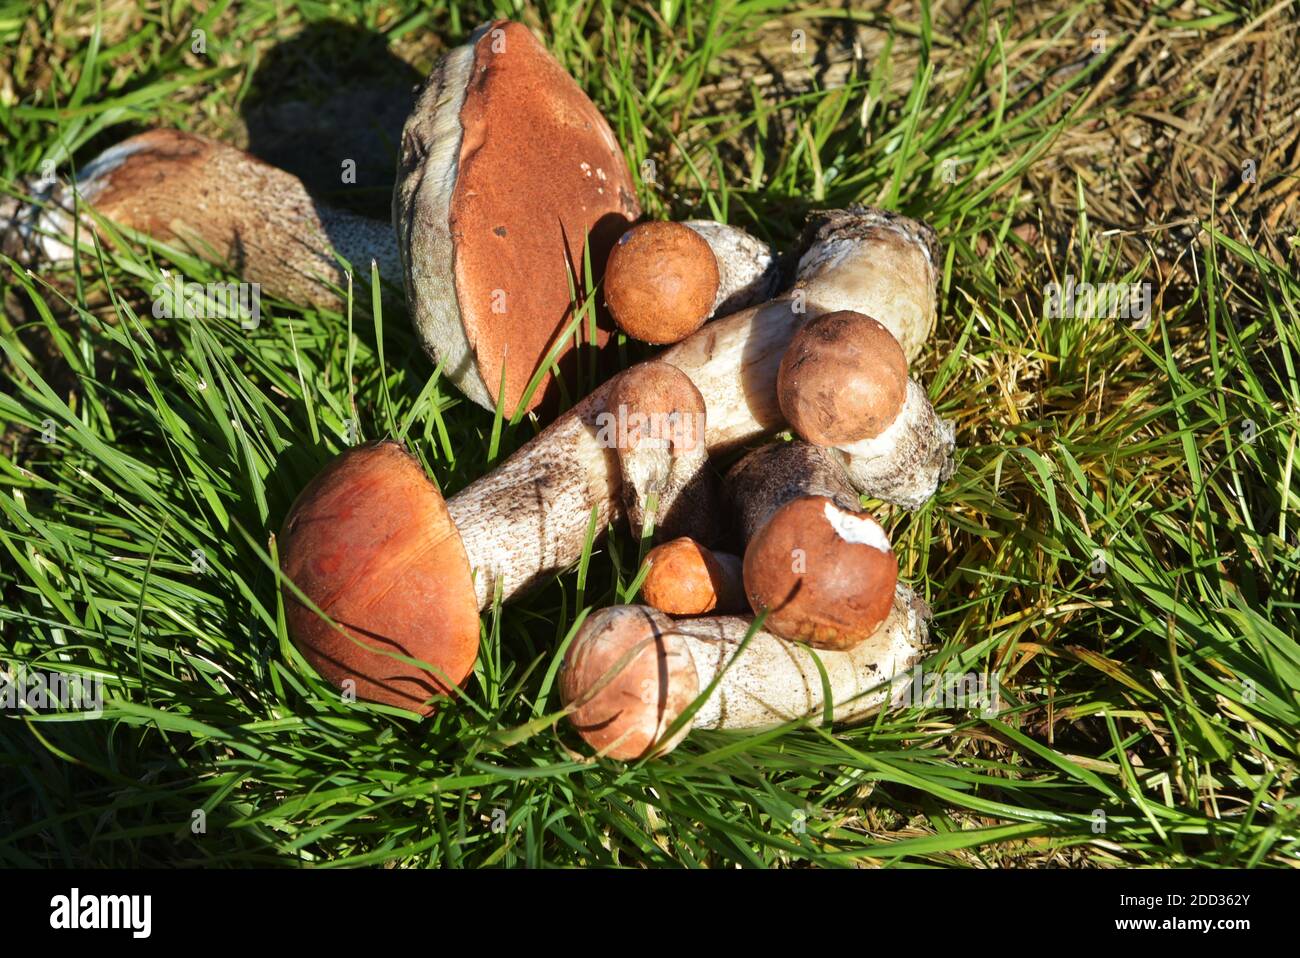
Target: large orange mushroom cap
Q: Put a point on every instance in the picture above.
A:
(370, 542)
(507, 172)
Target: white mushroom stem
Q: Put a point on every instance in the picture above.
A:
(905, 463)
(219, 202)
(898, 289)
(748, 273)
(771, 681)
(528, 518)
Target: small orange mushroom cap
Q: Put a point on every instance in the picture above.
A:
(660, 282)
(685, 578)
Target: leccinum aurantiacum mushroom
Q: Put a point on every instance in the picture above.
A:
(822, 569)
(687, 578)
(631, 671)
(528, 518)
(507, 169)
(216, 201)
(843, 383)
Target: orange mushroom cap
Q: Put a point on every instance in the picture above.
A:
(685, 578)
(649, 677)
(661, 281)
(369, 541)
(843, 378)
(826, 576)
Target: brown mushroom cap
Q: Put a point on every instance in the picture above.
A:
(662, 408)
(826, 576)
(659, 429)
(369, 542)
(507, 169)
(627, 718)
(661, 282)
(843, 378)
(685, 578)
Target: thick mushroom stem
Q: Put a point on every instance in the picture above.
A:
(773, 681)
(528, 518)
(906, 463)
(773, 475)
(631, 672)
(214, 200)
(655, 418)
(900, 287)
(748, 273)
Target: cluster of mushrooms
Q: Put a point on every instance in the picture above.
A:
(508, 178)
(401, 575)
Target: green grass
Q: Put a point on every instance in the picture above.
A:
(1151, 697)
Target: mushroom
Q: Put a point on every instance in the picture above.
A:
(655, 418)
(631, 672)
(370, 542)
(215, 201)
(823, 570)
(528, 518)
(687, 578)
(506, 172)
(843, 383)
(664, 280)
(661, 282)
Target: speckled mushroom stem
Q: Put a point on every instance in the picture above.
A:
(748, 272)
(773, 475)
(773, 681)
(219, 202)
(528, 518)
(906, 463)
